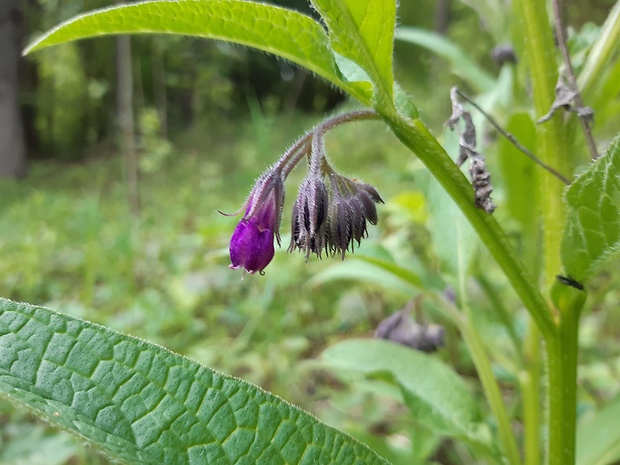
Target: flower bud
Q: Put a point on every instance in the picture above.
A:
(309, 215)
(352, 205)
(401, 328)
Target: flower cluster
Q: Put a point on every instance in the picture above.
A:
(330, 213)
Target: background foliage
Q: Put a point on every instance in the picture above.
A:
(211, 117)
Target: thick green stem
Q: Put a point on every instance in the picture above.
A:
(562, 398)
(562, 353)
(551, 140)
(416, 137)
(552, 147)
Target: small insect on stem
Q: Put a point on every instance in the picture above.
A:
(570, 282)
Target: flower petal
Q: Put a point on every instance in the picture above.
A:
(250, 247)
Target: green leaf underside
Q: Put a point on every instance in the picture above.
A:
(437, 397)
(462, 65)
(592, 237)
(285, 33)
(598, 438)
(141, 403)
(360, 269)
(363, 31)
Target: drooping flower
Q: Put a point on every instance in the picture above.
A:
(251, 245)
(309, 216)
(352, 204)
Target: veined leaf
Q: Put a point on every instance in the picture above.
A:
(141, 403)
(462, 65)
(363, 31)
(437, 397)
(592, 236)
(285, 33)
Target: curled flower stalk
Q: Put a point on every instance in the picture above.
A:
(323, 218)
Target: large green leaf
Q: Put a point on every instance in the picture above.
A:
(283, 32)
(462, 65)
(598, 437)
(592, 236)
(363, 31)
(141, 403)
(437, 397)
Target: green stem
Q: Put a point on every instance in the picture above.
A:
(464, 323)
(551, 137)
(491, 391)
(502, 314)
(552, 146)
(415, 136)
(530, 391)
(562, 353)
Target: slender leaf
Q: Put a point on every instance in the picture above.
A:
(453, 239)
(363, 31)
(141, 403)
(437, 397)
(598, 437)
(592, 236)
(462, 65)
(285, 33)
(518, 171)
(601, 52)
(355, 269)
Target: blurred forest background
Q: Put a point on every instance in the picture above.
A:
(116, 153)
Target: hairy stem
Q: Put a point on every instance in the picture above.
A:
(561, 345)
(562, 355)
(551, 136)
(300, 147)
(415, 136)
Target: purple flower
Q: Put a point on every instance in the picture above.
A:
(251, 245)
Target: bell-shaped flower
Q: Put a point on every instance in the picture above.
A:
(251, 245)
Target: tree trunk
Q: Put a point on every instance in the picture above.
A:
(12, 150)
(125, 120)
(159, 86)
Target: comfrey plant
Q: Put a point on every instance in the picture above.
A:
(140, 403)
(330, 212)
